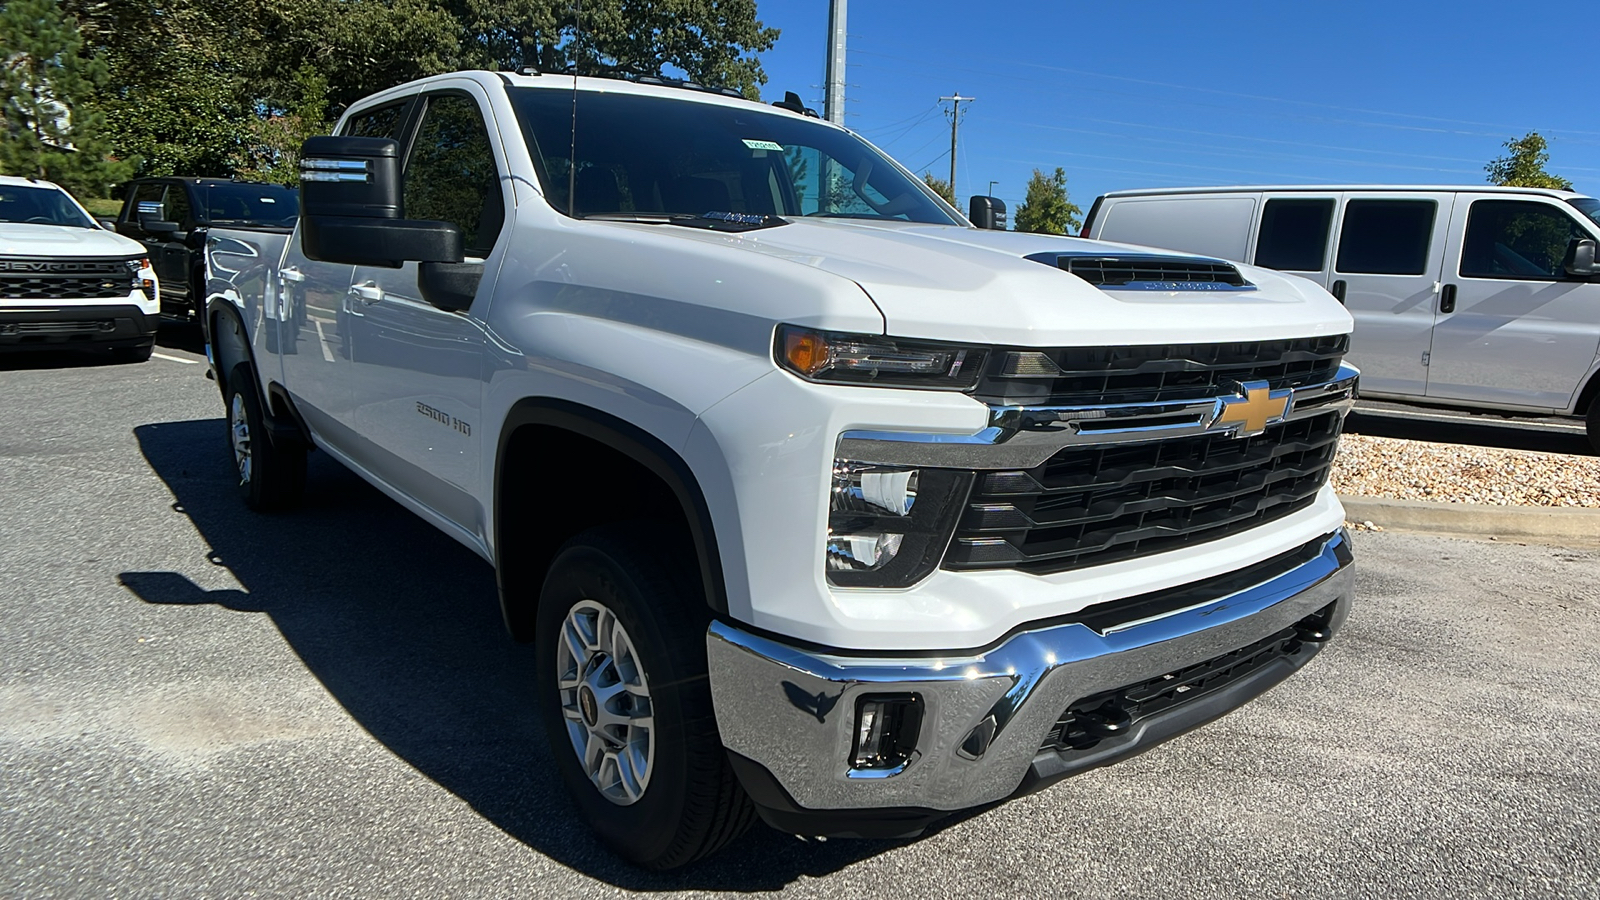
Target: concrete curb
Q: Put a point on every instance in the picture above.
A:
(1541, 525)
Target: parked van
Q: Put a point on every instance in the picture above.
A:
(1478, 297)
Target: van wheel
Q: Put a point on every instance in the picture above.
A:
(271, 477)
(626, 702)
(1592, 423)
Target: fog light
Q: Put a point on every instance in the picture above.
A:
(862, 552)
(887, 728)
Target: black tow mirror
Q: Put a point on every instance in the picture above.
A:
(450, 286)
(1581, 262)
(157, 227)
(987, 212)
(350, 207)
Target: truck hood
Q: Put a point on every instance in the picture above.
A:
(23, 239)
(965, 284)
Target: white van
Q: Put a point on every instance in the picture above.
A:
(1478, 297)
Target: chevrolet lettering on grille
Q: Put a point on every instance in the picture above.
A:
(1256, 407)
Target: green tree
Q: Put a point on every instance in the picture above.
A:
(713, 42)
(1046, 209)
(940, 186)
(50, 122)
(1524, 165)
(270, 149)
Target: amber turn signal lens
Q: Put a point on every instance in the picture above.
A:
(806, 351)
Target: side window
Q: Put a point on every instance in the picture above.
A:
(1516, 239)
(175, 208)
(1294, 234)
(382, 122)
(451, 176)
(1386, 237)
(147, 200)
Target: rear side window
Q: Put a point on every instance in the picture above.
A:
(1514, 239)
(1386, 237)
(382, 122)
(1294, 234)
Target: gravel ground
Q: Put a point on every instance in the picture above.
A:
(1419, 470)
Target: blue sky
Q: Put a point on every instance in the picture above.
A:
(1151, 94)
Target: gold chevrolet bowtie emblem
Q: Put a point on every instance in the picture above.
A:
(1254, 410)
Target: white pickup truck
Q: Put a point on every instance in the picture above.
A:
(817, 503)
(67, 282)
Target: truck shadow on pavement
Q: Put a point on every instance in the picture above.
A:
(402, 626)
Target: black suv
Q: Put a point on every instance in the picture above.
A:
(171, 216)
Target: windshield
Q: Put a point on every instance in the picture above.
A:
(251, 204)
(1589, 207)
(41, 206)
(654, 156)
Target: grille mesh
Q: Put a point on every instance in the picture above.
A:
(70, 287)
(1113, 271)
(1098, 504)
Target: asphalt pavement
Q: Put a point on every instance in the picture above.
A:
(197, 701)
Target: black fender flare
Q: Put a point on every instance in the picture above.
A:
(638, 445)
(284, 425)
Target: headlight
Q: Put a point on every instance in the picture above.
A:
(888, 525)
(870, 359)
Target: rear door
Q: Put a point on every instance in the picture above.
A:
(1296, 233)
(1514, 329)
(418, 378)
(1386, 266)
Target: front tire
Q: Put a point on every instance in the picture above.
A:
(271, 477)
(626, 702)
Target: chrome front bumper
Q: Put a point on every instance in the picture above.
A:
(788, 714)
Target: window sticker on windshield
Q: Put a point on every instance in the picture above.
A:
(268, 200)
(762, 145)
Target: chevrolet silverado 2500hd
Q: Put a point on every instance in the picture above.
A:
(818, 503)
(67, 282)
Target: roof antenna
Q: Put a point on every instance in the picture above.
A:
(572, 154)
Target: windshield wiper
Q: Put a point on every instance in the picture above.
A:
(715, 220)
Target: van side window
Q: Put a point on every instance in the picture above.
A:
(1516, 239)
(1294, 234)
(451, 175)
(379, 123)
(1386, 237)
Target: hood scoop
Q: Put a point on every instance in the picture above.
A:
(1148, 272)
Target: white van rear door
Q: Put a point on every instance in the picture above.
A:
(1386, 267)
(1513, 328)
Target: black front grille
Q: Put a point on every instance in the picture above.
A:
(1111, 271)
(1110, 714)
(1093, 376)
(68, 287)
(1102, 503)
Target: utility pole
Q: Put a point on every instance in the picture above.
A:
(833, 101)
(955, 123)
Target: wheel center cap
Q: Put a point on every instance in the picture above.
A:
(588, 706)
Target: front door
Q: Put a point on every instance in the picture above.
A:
(418, 378)
(1386, 267)
(1514, 329)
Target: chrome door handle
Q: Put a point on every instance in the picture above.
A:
(292, 273)
(367, 292)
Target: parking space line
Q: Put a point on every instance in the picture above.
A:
(176, 359)
(327, 353)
